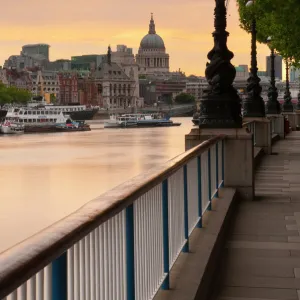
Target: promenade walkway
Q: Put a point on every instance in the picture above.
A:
(262, 255)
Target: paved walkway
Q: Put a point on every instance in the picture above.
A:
(262, 256)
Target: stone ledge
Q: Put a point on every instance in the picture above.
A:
(193, 274)
(275, 138)
(258, 155)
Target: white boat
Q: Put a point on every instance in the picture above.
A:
(139, 120)
(39, 117)
(11, 127)
(120, 122)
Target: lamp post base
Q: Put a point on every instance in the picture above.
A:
(221, 111)
(273, 108)
(254, 108)
(287, 107)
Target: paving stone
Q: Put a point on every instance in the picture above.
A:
(297, 272)
(294, 239)
(240, 280)
(260, 293)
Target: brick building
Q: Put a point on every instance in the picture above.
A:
(68, 87)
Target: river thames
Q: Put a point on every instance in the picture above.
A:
(44, 177)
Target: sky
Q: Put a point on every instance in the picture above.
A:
(76, 27)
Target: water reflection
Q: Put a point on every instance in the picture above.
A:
(45, 177)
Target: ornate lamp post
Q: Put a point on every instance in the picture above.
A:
(287, 104)
(253, 105)
(220, 106)
(273, 106)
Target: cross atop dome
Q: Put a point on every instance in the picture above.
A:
(152, 25)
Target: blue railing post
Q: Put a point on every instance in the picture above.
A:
(165, 212)
(217, 170)
(199, 225)
(209, 179)
(186, 210)
(130, 253)
(59, 278)
(223, 162)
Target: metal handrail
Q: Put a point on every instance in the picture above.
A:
(19, 263)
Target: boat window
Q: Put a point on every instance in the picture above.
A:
(25, 120)
(55, 120)
(29, 120)
(46, 112)
(34, 112)
(20, 113)
(29, 112)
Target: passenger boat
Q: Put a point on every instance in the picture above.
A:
(37, 120)
(10, 126)
(120, 122)
(75, 110)
(139, 120)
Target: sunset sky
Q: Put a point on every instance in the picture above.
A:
(87, 27)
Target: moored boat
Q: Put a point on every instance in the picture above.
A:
(11, 127)
(38, 120)
(139, 120)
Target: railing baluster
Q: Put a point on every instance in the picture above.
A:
(33, 288)
(59, 278)
(23, 291)
(70, 268)
(217, 171)
(86, 266)
(186, 210)
(81, 268)
(199, 225)
(48, 286)
(130, 253)
(165, 210)
(209, 179)
(76, 262)
(92, 265)
(14, 296)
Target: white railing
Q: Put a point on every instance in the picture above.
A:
(122, 245)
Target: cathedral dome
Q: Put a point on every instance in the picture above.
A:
(152, 40)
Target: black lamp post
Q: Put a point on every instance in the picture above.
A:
(273, 106)
(253, 105)
(287, 104)
(220, 106)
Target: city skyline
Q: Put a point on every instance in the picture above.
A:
(185, 27)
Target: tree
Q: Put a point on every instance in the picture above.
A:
(275, 18)
(13, 95)
(53, 98)
(185, 98)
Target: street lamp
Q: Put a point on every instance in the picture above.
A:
(273, 106)
(253, 105)
(287, 104)
(220, 106)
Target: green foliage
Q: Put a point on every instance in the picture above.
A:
(53, 98)
(13, 95)
(278, 19)
(184, 98)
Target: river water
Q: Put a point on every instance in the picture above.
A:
(44, 177)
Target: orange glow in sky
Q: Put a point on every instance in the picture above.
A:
(76, 27)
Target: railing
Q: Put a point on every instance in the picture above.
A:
(123, 244)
